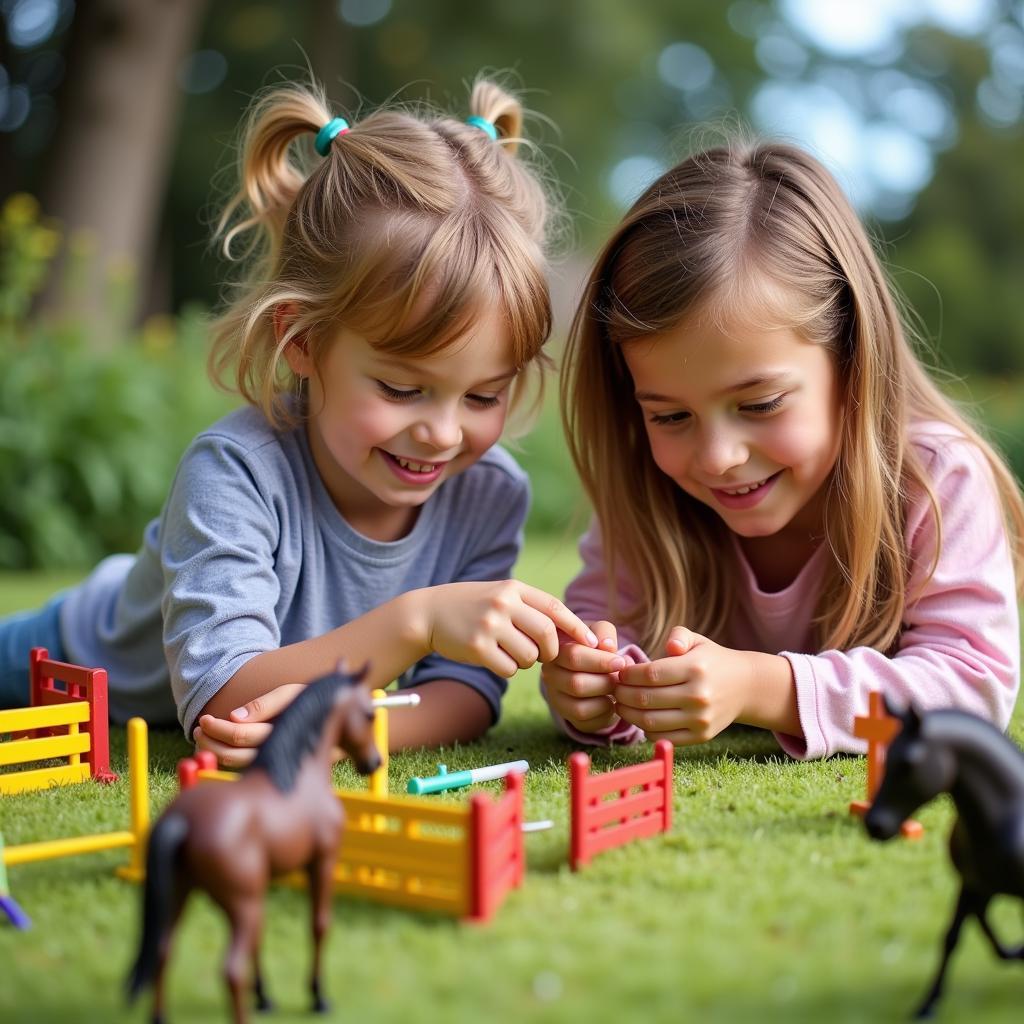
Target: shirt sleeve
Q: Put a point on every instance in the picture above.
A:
(217, 545)
(959, 645)
(493, 558)
(587, 596)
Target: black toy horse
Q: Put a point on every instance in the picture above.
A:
(282, 815)
(969, 758)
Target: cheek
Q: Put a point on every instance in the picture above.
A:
(371, 419)
(802, 442)
(669, 453)
(485, 429)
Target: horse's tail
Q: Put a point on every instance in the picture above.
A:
(164, 842)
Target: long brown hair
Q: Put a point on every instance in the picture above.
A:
(409, 203)
(763, 228)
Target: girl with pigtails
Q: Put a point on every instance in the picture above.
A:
(357, 507)
(788, 512)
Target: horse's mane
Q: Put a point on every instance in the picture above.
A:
(298, 728)
(972, 732)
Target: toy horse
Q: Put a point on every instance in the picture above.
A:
(963, 755)
(230, 840)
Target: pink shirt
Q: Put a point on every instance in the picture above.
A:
(960, 644)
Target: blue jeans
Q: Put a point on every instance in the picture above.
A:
(19, 633)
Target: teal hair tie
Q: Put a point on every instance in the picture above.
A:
(484, 125)
(330, 131)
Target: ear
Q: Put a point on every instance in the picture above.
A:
(296, 353)
(907, 715)
(351, 678)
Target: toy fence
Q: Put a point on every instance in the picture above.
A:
(67, 719)
(600, 824)
(411, 852)
(133, 839)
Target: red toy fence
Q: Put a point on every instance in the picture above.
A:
(497, 857)
(80, 684)
(599, 824)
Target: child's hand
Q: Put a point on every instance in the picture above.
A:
(503, 626)
(690, 695)
(579, 683)
(235, 739)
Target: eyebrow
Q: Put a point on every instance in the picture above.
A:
(417, 369)
(759, 380)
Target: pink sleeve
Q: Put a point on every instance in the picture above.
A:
(960, 645)
(587, 596)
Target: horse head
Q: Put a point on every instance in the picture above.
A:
(917, 768)
(355, 729)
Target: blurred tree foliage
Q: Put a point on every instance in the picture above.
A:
(596, 69)
(89, 439)
(91, 424)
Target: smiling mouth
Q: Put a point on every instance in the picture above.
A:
(747, 488)
(416, 467)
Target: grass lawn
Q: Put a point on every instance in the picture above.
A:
(767, 902)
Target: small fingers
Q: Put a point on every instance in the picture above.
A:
(227, 756)
(562, 616)
(663, 672)
(675, 724)
(580, 684)
(680, 640)
(577, 658)
(269, 705)
(234, 734)
(607, 635)
(651, 698)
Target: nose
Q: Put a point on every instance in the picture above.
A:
(720, 450)
(439, 429)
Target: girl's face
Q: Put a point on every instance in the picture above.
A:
(386, 431)
(746, 421)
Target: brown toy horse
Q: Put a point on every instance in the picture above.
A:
(280, 816)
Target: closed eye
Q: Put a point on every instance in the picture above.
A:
(763, 408)
(484, 401)
(396, 394)
(663, 419)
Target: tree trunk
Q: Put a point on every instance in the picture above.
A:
(118, 114)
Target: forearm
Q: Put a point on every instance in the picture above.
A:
(771, 695)
(387, 640)
(448, 711)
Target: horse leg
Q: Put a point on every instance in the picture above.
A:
(180, 895)
(1000, 950)
(965, 906)
(246, 918)
(263, 1002)
(321, 888)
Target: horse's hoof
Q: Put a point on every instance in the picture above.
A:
(925, 1012)
(264, 1005)
(321, 1005)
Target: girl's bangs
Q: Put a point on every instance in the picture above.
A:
(421, 291)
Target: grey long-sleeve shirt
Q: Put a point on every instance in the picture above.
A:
(250, 554)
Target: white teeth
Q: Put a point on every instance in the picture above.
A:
(416, 467)
(747, 490)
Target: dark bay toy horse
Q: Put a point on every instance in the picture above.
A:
(231, 839)
(963, 755)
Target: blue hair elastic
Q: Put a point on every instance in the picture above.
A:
(330, 131)
(484, 125)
